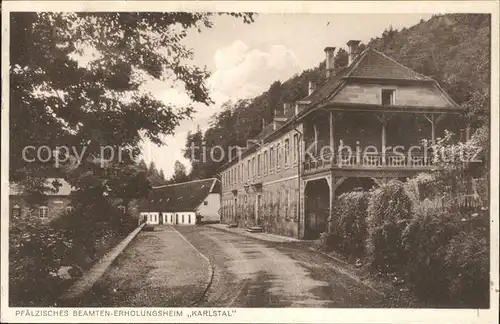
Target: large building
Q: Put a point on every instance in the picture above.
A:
(56, 203)
(181, 203)
(364, 124)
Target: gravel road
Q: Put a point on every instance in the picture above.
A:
(161, 269)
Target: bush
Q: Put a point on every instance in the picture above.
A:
(466, 265)
(424, 240)
(389, 211)
(37, 251)
(328, 241)
(350, 231)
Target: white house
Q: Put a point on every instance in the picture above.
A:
(180, 203)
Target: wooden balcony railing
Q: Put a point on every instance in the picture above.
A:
(370, 161)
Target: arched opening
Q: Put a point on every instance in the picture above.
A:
(317, 208)
(350, 184)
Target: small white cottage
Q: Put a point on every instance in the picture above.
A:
(180, 203)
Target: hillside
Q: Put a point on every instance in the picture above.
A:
(453, 49)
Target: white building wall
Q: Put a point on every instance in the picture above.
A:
(152, 218)
(180, 218)
(168, 218)
(185, 218)
(209, 209)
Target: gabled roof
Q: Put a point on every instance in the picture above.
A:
(179, 197)
(324, 90)
(370, 64)
(375, 64)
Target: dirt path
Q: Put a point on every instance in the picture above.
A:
(253, 273)
(158, 269)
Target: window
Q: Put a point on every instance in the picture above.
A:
(265, 162)
(253, 166)
(295, 147)
(258, 164)
(271, 159)
(69, 209)
(278, 156)
(287, 151)
(388, 97)
(205, 202)
(248, 169)
(43, 212)
(123, 209)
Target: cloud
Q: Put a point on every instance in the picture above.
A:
(240, 73)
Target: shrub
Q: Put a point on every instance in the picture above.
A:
(389, 211)
(350, 211)
(328, 241)
(466, 265)
(37, 251)
(424, 240)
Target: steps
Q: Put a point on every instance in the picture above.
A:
(255, 229)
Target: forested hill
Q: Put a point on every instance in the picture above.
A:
(454, 49)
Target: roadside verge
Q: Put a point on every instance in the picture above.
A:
(90, 277)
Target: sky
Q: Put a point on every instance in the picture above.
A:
(245, 59)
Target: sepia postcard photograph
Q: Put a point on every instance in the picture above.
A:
(273, 162)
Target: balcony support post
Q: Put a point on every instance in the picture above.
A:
(432, 120)
(332, 143)
(383, 120)
(334, 183)
(315, 127)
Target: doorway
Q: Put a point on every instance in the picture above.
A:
(257, 209)
(317, 208)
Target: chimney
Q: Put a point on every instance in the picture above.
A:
(330, 54)
(311, 88)
(263, 123)
(274, 125)
(353, 50)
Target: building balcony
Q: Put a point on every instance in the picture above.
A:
(417, 162)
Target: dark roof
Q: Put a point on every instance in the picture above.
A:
(324, 90)
(179, 197)
(374, 64)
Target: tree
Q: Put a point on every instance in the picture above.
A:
(153, 175)
(162, 175)
(58, 100)
(193, 152)
(142, 165)
(180, 174)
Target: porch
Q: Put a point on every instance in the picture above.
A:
(388, 161)
(375, 140)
